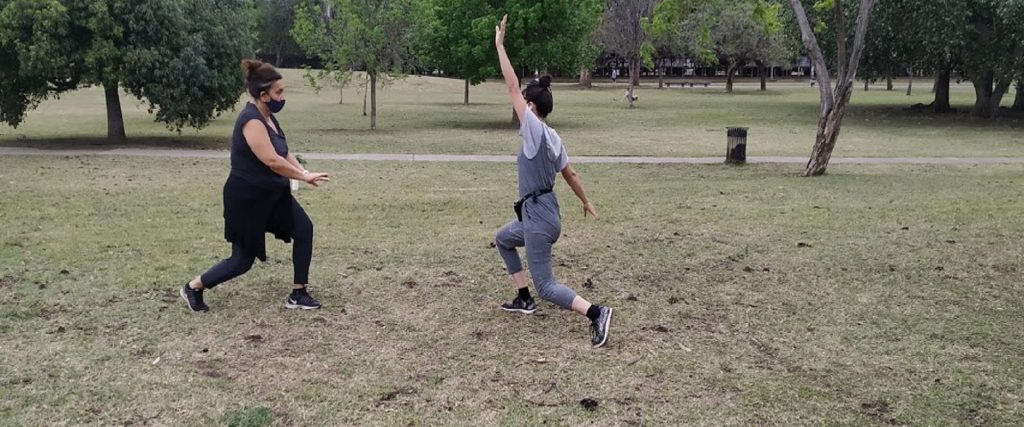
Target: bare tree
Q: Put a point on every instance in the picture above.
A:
(623, 34)
(833, 99)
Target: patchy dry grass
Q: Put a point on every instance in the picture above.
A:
(425, 115)
(873, 296)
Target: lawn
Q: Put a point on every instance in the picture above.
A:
(423, 115)
(875, 295)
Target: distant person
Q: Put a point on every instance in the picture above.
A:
(257, 195)
(538, 225)
(615, 74)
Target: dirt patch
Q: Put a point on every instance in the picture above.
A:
(880, 410)
(393, 394)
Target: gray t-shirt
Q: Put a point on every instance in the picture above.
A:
(537, 135)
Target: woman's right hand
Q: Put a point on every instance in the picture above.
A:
(315, 178)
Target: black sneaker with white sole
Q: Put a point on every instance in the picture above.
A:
(299, 298)
(599, 328)
(519, 305)
(194, 298)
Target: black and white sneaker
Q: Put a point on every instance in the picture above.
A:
(599, 328)
(519, 305)
(301, 299)
(194, 298)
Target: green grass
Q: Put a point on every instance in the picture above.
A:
(876, 295)
(426, 115)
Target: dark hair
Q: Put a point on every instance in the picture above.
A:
(259, 76)
(539, 93)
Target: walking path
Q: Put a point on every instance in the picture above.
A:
(217, 154)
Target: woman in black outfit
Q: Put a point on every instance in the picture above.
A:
(257, 195)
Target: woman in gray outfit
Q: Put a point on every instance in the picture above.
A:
(541, 157)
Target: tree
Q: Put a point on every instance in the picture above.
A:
(925, 35)
(376, 35)
(737, 37)
(833, 100)
(547, 35)
(993, 57)
(623, 34)
(457, 40)
(179, 56)
(275, 19)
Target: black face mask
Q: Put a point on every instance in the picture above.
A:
(275, 106)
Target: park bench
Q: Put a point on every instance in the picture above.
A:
(691, 83)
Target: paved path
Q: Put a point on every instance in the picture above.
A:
(216, 154)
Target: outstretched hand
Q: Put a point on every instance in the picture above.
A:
(314, 178)
(499, 32)
(588, 208)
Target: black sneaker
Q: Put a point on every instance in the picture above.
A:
(525, 306)
(301, 299)
(194, 298)
(600, 327)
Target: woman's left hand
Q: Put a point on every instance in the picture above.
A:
(589, 208)
(315, 179)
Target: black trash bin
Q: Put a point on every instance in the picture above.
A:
(736, 150)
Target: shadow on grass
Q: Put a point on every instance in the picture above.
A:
(189, 142)
(911, 116)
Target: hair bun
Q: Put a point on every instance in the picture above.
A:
(249, 67)
(545, 82)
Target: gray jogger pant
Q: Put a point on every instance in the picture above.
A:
(539, 230)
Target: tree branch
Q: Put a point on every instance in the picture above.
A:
(859, 38)
(817, 58)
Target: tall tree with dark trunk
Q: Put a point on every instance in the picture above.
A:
(181, 57)
(993, 57)
(834, 100)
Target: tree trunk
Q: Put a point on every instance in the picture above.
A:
(366, 93)
(888, 83)
(277, 62)
(661, 77)
(115, 121)
(941, 104)
(1018, 103)
(983, 95)
(730, 69)
(867, 85)
(373, 101)
(910, 83)
(828, 132)
(634, 80)
(832, 106)
(586, 79)
(764, 82)
(997, 96)
(466, 96)
(341, 94)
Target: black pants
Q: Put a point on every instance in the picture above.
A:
(241, 261)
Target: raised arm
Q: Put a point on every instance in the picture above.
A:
(573, 180)
(511, 80)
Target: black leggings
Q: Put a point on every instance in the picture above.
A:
(241, 261)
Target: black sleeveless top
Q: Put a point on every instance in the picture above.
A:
(256, 199)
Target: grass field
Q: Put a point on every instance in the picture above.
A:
(877, 295)
(426, 115)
